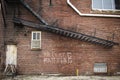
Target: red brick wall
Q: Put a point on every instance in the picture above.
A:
(60, 54)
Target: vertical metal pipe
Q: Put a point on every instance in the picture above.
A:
(50, 4)
(95, 32)
(3, 34)
(3, 14)
(4, 22)
(113, 35)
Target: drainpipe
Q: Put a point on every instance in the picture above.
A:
(4, 23)
(89, 15)
(3, 13)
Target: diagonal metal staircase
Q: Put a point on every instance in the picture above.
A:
(66, 33)
(63, 32)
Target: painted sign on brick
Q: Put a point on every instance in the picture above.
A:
(58, 58)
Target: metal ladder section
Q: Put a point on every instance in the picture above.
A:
(12, 1)
(60, 31)
(28, 8)
(66, 33)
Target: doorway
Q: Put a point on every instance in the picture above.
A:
(11, 55)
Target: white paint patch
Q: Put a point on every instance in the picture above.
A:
(11, 55)
(58, 58)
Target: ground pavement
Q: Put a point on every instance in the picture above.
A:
(37, 77)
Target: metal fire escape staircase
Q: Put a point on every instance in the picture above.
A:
(60, 31)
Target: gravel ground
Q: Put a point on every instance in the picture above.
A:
(32, 77)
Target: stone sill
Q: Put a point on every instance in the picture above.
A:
(112, 12)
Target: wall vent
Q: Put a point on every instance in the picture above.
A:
(100, 67)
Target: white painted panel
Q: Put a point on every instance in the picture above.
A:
(100, 67)
(11, 55)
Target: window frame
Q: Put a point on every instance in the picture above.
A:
(32, 39)
(105, 9)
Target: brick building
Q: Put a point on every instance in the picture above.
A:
(66, 37)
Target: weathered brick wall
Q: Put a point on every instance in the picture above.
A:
(60, 54)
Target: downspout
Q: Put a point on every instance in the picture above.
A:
(4, 21)
(4, 32)
(3, 13)
(89, 15)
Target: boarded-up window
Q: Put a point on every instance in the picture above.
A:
(11, 55)
(100, 67)
(36, 40)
